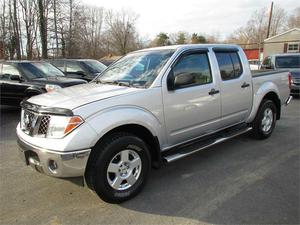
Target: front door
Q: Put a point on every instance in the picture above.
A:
(191, 110)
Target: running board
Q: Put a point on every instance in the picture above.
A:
(201, 145)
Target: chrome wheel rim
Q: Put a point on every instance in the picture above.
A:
(267, 120)
(124, 170)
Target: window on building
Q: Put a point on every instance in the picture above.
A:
(293, 47)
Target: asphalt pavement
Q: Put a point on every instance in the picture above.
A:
(241, 181)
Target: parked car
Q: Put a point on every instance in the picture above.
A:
(151, 107)
(254, 64)
(290, 61)
(86, 69)
(23, 79)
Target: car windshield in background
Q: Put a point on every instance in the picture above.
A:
(93, 66)
(40, 70)
(288, 61)
(136, 69)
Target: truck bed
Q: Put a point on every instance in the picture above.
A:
(269, 78)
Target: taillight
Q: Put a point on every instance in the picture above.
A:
(290, 80)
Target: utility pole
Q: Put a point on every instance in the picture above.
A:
(270, 20)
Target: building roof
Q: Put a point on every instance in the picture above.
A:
(291, 30)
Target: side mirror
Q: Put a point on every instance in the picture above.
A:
(15, 77)
(184, 79)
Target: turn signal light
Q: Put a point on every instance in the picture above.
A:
(74, 122)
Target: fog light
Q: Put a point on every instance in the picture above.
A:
(52, 165)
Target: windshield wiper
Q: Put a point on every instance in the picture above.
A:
(122, 83)
(115, 82)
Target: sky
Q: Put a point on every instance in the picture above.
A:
(193, 16)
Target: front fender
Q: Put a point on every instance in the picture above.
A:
(263, 90)
(108, 119)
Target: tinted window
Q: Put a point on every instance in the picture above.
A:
(196, 65)
(229, 65)
(39, 70)
(288, 61)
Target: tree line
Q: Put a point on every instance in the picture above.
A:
(35, 29)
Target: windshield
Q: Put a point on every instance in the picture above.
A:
(136, 69)
(40, 70)
(93, 66)
(288, 61)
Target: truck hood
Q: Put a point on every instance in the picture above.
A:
(76, 96)
(61, 81)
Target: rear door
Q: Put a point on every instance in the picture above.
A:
(235, 87)
(192, 110)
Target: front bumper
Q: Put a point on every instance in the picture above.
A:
(52, 163)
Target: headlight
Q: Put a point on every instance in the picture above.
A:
(52, 87)
(59, 126)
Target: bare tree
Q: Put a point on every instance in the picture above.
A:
(255, 30)
(43, 28)
(121, 30)
(294, 19)
(15, 23)
(29, 18)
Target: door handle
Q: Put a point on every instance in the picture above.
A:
(244, 85)
(213, 92)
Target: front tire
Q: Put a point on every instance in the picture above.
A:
(265, 120)
(120, 168)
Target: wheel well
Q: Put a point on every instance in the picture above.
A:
(274, 97)
(144, 134)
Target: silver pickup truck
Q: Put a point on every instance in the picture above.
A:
(151, 107)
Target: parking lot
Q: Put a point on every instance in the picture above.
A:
(241, 181)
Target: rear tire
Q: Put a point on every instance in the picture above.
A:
(265, 120)
(120, 167)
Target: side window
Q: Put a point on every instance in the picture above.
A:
(8, 70)
(72, 67)
(229, 64)
(193, 67)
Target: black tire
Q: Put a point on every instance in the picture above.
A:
(258, 131)
(105, 151)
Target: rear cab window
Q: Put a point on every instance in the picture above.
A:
(230, 65)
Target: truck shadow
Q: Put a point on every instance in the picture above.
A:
(220, 184)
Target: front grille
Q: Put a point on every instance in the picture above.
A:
(34, 124)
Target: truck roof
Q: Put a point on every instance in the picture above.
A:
(189, 46)
(285, 54)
